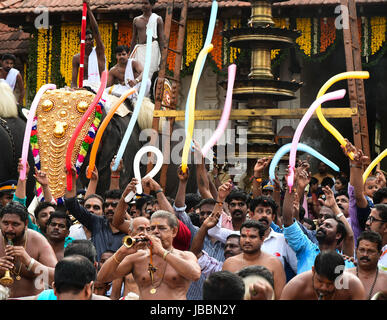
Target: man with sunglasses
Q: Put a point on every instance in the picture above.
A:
(377, 221)
(104, 235)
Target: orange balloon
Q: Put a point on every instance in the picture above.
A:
(102, 128)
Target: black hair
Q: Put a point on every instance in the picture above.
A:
(344, 180)
(313, 180)
(237, 195)
(113, 194)
(14, 207)
(60, 215)
(121, 48)
(41, 206)
(340, 228)
(327, 181)
(140, 202)
(194, 218)
(223, 285)
(206, 201)
(370, 236)
(94, 195)
(87, 33)
(256, 225)
(301, 213)
(382, 208)
(342, 193)
(265, 202)
(380, 195)
(152, 2)
(326, 264)
(257, 271)
(81, 247)
(72, 273)
(310, 221)
(8, 56)
(192, 200)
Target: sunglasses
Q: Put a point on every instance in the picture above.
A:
(112, 204)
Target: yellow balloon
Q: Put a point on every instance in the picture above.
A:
(373, 164)
(324, 88)
(191, 105)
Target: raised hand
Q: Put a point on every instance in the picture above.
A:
(41, 177)
(148, 182)
(119, 168)
(182, 176)
(211, 220)
(130, 187)
(260, 166)
(224, 190)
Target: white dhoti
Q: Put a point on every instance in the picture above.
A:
(139, 53)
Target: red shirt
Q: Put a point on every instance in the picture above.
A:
(182, 241)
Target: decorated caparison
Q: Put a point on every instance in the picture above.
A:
(57, 115)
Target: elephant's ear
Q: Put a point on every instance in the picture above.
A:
(57, 115)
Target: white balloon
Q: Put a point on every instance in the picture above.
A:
(136, 168)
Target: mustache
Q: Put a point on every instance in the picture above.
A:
(238, 211)
(365, 259)
(263, 219)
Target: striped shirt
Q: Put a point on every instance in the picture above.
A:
(213, 249)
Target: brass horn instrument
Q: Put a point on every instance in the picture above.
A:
(128, 241)
(7, 280)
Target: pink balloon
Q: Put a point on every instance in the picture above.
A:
(226, 111)
(27, 132)
(339, 94)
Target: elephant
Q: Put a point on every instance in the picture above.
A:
(12, 127)
(110, 144)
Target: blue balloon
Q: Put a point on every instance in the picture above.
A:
(210, 33)
(300, 147)
(136, 111)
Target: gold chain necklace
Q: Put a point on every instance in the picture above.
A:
(17, 275)
(152, 269)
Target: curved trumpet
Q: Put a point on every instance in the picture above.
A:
(128, 241)
(7, 280)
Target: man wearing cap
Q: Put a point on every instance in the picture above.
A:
(268, 189)
(7, 189)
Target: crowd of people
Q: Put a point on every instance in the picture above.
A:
(323, 239)
(324, 242)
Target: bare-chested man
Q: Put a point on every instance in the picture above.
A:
(138, 45)
(160, 271)
(251, 239)
(29, 256)
(95, 62)
(126, 74)
(368, 251)
(326, 281)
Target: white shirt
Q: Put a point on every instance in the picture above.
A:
(276, 245)
(77, 232)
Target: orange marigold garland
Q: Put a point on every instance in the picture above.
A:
(327, 33)
(217, 41)
(173, 45)
(125, 32)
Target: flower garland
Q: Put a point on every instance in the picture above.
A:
(217, 41)
(378, 33)
(304, 41)
(43, 46)
(282, 23)
(194, 40)
(88, 140)
(106, 31)
(173, 45)
(69, 47)
(125, 32)
(327, 33)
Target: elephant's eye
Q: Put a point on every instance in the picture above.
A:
(47, 105)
